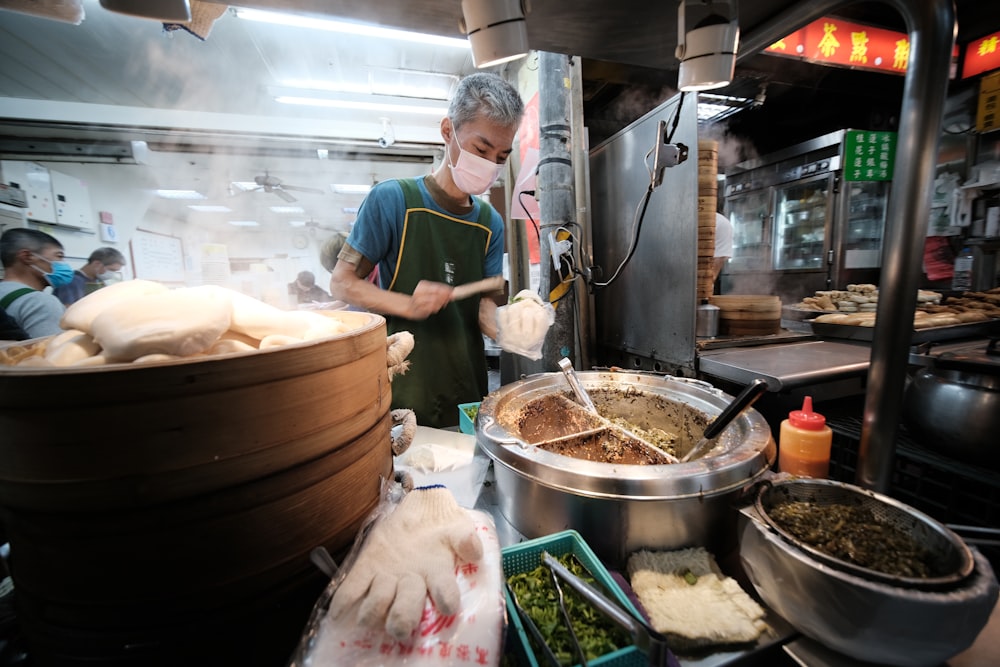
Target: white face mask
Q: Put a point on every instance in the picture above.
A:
(473, 174)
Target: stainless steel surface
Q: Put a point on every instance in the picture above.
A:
(949, 557)
(827, 330)
(862, 619)
(783, 336)
(744, 400)
(621, 508)
(955, 410)
(931, 25)
(707, 323)
(788, 365)
(631, 315)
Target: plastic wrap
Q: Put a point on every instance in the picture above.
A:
(474, 635)
(523, 323)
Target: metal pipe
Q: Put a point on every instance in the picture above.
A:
(557, 201)
(931, 25)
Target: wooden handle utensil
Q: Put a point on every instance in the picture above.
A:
(478, 287)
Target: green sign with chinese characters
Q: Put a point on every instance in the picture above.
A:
(869, 156)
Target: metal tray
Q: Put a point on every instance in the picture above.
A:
(950, 332)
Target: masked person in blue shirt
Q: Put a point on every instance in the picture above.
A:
(429, 234)
(102, 265)
(33, 260)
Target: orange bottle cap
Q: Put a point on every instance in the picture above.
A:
(806, 418)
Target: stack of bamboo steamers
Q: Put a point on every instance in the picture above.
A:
(708, 193)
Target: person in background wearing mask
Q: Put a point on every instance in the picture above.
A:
(33, 260)
(305, 290)
(102, 265)
(429, 234)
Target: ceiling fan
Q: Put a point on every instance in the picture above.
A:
(275, 185)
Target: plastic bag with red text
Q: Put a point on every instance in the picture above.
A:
(472, 636)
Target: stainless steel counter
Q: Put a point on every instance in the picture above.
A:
(788, 365)
(473, 486)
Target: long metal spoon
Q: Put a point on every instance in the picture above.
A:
(746, 398)
(574, 382)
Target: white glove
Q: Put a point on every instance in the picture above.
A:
(409, 554)
(523, 323)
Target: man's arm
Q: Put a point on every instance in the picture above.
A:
(428, 298)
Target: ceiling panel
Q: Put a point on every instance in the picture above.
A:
(130, 63)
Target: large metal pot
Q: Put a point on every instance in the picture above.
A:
(620, 508)
(854, 613)
(953, 406)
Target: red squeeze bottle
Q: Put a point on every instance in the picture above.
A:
(804, 443)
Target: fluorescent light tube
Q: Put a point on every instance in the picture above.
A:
(209, 208)
(180, 194)
(362, 29)
(350, 188)
(361, 106)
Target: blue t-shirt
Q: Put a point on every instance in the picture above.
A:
(378, 230)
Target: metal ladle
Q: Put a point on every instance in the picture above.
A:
(746, 398)
(583, 398)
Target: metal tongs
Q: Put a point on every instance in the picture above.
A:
(646, 639)
(533, 630)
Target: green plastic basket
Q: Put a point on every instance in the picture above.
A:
(526, 556)
(466, 425)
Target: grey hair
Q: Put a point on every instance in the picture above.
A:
(19, 238)
(107, 256)
(485, 95)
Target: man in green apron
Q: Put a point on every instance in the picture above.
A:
(427, 235)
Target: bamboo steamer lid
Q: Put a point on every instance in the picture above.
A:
(748, 314)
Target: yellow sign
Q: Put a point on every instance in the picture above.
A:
(988, 113)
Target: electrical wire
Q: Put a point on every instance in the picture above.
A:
(640, 213)
(636, 227)
(534, 224)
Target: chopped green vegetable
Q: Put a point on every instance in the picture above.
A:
(471, 412)
(597, 634)
(690, 577)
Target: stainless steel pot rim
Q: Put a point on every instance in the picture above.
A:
(946, 538)
(969, 377)
(746, 449)
(633, 492)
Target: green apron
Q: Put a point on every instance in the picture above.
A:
(448, 362)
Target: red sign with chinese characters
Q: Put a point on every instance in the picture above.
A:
(981, 55)
(832, 41)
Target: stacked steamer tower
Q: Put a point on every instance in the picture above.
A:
(708, 193)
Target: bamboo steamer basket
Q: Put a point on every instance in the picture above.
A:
(748, 314)
(173, 505)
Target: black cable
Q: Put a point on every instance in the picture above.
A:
(645, 202)
(635, 241)
(534, 224)
(677, 117)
